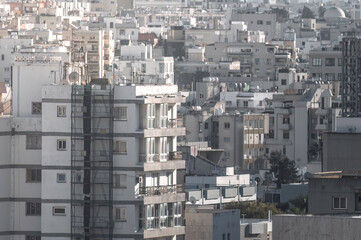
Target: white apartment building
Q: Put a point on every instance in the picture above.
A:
(89, 162)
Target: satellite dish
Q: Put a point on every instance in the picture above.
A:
(193, 200)
(73, 77)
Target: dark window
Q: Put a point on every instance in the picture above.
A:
(283, 82)
(33, 141)
(339, 203)
(286, 135)
(36, 108)
(33, 209)
(205, 125)
(330, 62)
(33, 175)
(227, 125)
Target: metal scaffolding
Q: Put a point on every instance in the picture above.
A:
(92, 162)
(351, 77)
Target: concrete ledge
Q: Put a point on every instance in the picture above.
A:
(164, 232)
(165, 198)
(167, 165)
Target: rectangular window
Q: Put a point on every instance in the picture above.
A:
(120, 180)
(283, 82)
(259, 22)
(120, 147)
(245, 103)
(59, 211)
(2, 57)
(205, 125)
(61, 145)
(61, 111)
(339, 61)
(169, 178)
(201, 95)
(33, 175)
(61, 178)
(339, 203)
(120, 214)
(227, 139)
(330, 62)
(286, 120)
(6, 69)
(316, 61)
(120, 113)
(33, 141)
(268, 22)
(227, 125)
(36, 107)
(33, 209)
(286, 135)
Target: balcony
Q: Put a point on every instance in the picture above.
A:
(285, 126)
(160, 190)
(321, 111)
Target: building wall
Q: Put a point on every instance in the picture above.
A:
(315, 227)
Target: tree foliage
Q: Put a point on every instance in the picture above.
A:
(281, 14)
(255, 209)
(321, 11)
(283, 169)
(307, 13)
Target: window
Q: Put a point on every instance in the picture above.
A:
(227, 125)
(169, 178)
(32, 237)
(163, 218)
(36, 107)
(283, 82)
(61, 145)
(316, 61)
(330, 62)
(268, 22)
(33, 141)
(120, 113)
(2, 57)
(339, 203)
(151, 116)
(267, 150)
(259, 22)
(257, 61)
(205, 125)
(260, 103)
(201, 95)
(155, 179)
(61, 178)
(111, 25)
(120, 180)
(33, 209)
(178, 214)
(61, 111)
(6, 69)
(227, 139)
(59, 211)
(286, 135)
(120, 147)
(143, 68)
(161, 67)
(33, 175)
(271, 133)
(226, 155)
(120, 214)
(228, 236)
(245, 103)
(339, 62)
(284, 150)
(286, 120)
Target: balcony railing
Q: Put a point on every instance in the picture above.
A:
(175, 123)
(160, 157)
(159, 190)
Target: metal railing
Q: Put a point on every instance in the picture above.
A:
(159, 190)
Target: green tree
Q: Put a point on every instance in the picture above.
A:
(321, 11)
(283, 169)
(281, 14)
(307, 13)
(299, 204)
(255, 209)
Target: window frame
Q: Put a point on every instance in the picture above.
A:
(61, 111)
(29, 206)
(339, 203)
(59, 207)
(58, 180)
(61, 144)
(120, 214)
(29, 175)
(30, 138)
(117, 147)
(119, 113)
